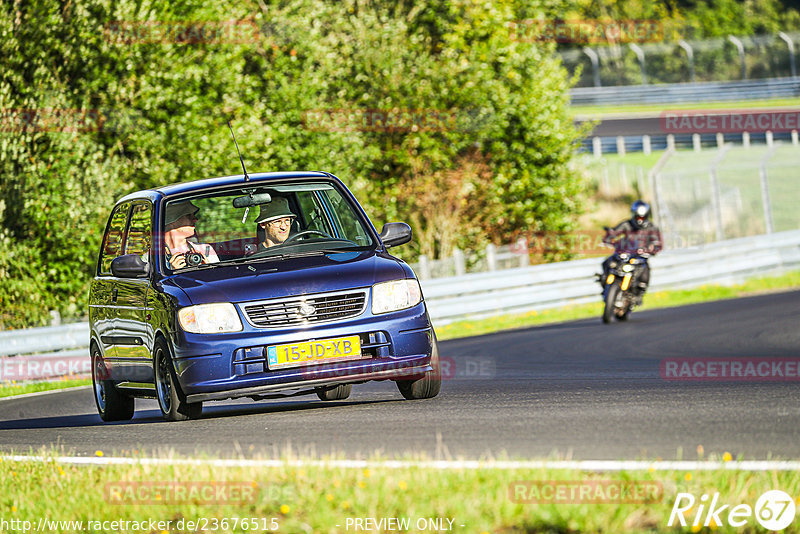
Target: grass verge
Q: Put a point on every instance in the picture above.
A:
(327, 499)
(13, 388)
(659, 299)
(597, 112)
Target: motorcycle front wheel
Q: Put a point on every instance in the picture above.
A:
(611, 298)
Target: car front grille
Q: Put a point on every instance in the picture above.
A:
(310, 309)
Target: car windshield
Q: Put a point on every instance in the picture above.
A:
(260, 222)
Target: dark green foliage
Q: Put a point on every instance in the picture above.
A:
(131, 115)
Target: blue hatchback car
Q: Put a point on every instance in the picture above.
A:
(260, 286)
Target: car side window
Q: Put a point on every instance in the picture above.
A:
(312, 212)
(139, 231)
(346, 220)
(113, 240)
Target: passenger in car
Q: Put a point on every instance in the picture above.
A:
(276, 220)
(180, 237)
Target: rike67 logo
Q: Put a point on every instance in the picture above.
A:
(774, 510)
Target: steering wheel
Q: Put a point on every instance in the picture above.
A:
(304, 233)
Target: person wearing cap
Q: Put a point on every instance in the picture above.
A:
(179, 228)
(276, 220)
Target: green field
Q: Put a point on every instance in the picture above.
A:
(597, 112)
(296, 496)
(13, 388)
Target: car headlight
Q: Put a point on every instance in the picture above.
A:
(210, 318)
(395, 295)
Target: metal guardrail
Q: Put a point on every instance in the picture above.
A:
(64, 349)
(687, 92)
(573, 282)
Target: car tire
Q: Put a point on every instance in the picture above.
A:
(171, 399)
(340, 392)
(429, 384)
(112, 404)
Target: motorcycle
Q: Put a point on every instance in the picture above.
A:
(620, 282)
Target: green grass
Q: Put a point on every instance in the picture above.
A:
(12, 388)
(316, 498)
(601, 111)
(646, 161)
(660, 299)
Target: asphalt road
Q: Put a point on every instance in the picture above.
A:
(579, 390)
(636, 125)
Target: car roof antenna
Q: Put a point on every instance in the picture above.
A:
(246, 177)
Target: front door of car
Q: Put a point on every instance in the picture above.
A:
(133, 334)
(102, 305)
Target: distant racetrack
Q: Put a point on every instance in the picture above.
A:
(581, 390)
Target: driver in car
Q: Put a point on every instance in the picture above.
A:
(180, 237)
(276, 220)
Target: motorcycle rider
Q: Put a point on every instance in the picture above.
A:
(636, 236)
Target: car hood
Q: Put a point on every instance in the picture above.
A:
(284, 278)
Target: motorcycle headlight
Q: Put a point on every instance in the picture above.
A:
(395, 295)
(210, 318)
(613, 264)
(627, 268)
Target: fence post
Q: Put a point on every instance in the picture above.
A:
(670, 142)
(461, 264)
(522, 247)
(696, 142)
(790, 44)
(746, 139)
(690, 55)
(597, 147)
(720, 139)
(640, 54)
(424, 267)
(794, 138)
(595, 64)
(762, 176)
(620, 145)
(491, 257)
(716, 196)
(769, 138)
(646, 145)
(740, 48)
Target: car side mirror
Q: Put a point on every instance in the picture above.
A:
(396, 233)
(129, 266)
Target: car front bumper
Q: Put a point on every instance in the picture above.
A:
(395, 346)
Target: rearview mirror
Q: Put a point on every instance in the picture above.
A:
(248, 201)
(129, 266)
(396, 233)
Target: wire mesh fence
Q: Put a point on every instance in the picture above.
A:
(729, 193)
(719, 59)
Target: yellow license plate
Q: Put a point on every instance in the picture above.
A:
(313, 352)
